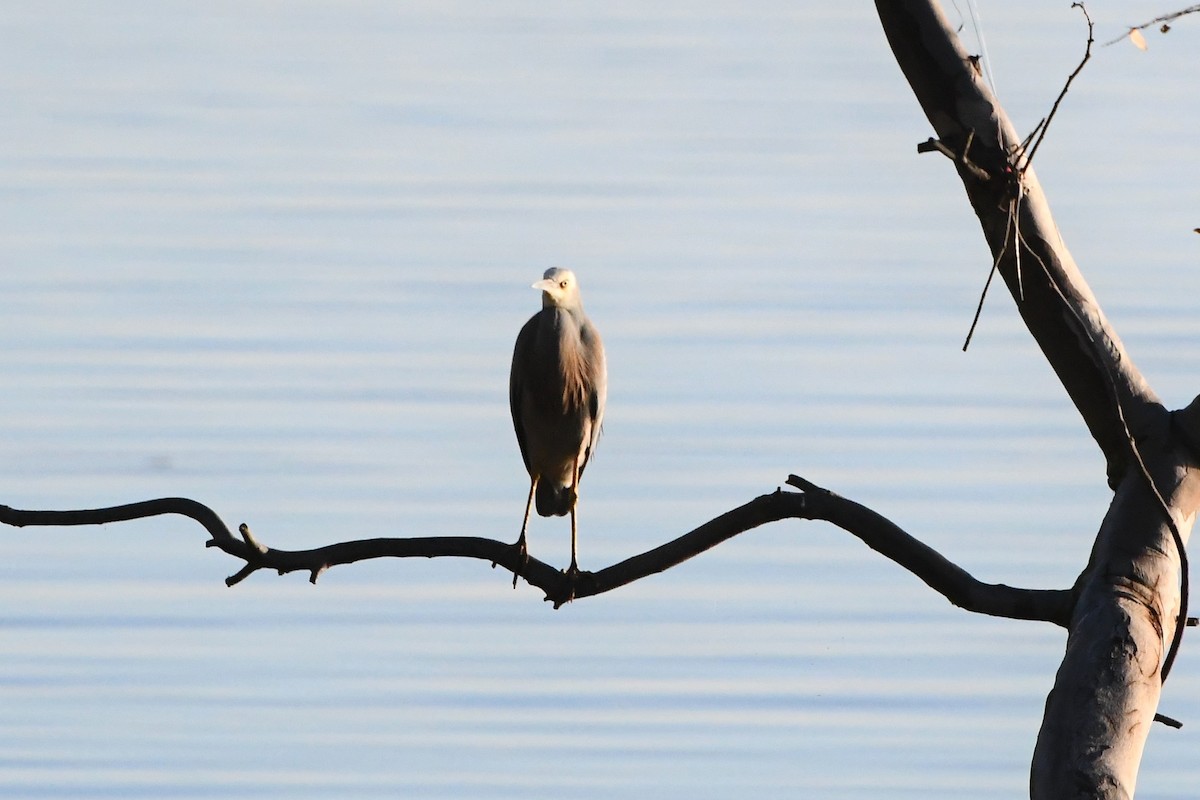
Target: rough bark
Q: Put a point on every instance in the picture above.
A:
(1107, 689)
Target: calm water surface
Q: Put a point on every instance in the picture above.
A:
(274, 257)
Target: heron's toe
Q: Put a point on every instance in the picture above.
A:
(522, 558)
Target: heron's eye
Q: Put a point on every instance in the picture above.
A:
(562, 284)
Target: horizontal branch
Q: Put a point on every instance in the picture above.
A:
(812, 502)
(124, 513)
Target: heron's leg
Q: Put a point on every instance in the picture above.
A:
(574, 568)
(522, 549)
(574, 543)
(572, 572)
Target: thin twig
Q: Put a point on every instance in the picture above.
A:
(1016, 212)
(1164, 18)
(1022, 159)
(1087, 54)
(988, 283)
(1036, 128)
(932, 145)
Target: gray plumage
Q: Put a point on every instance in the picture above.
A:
(556, 393)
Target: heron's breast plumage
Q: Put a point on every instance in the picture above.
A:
(557, 390)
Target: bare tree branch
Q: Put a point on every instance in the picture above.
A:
(1044, 126)
(1165, 18)
(1129, 598)
(149, 508)
(813, 502)
(951, 581)
(1082, 348)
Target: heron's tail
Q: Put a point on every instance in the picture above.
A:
(553, 500)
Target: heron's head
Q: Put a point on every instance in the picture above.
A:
(559, 289)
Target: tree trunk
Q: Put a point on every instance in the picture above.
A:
(1128, 599)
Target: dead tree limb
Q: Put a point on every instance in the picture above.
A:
(1128, 597)
(812, 503)
(1080, 345)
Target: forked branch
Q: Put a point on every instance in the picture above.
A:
(812, 502)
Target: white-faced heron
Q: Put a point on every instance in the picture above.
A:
(556, 392)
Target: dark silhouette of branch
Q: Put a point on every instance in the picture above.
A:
(149, 508)
(813, 503)
(948, 579)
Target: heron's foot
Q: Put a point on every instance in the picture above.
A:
(522, 558)
(572, 574)
(574, 580)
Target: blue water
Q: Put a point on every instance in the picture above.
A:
(273, 258)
